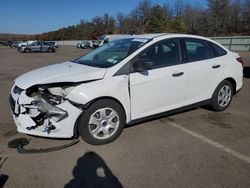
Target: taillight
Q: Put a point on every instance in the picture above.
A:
(240, 60)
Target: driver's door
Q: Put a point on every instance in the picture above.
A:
(164, 87)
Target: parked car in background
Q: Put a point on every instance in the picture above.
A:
(39, 46)
(53, 43)
(123, 82)
(78, 45)
(6, 43)
(96, 43)
(90, 44)
(85, 44)
(3, 43)
(14, 44)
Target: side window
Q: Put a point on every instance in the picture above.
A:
(163, 54)
(218, 51)
(197, 50)
(106, 41)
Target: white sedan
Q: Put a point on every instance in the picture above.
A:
(123, 82)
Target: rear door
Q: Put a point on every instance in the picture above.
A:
(203, 69)
(36, 47)
(164, 87)
(45, 46)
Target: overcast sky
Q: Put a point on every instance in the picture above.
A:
(38, 16)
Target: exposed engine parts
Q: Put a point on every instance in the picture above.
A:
(42, 104)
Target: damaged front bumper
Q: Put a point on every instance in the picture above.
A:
(36, 115)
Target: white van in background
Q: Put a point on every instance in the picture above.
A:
(108, 38)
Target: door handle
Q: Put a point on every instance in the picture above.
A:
(216, 66)
(177, 74)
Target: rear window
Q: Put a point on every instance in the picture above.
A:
(218, 51)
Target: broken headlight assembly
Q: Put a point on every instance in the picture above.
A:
(54, 94)
(47, 98)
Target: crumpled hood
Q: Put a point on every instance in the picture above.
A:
(61, 72)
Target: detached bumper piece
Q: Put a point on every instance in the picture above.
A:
(41, 113)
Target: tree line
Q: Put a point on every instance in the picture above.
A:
(218, 18)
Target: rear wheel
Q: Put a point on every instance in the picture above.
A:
(27, 50)
(222, 96)
(102, 122)
(50, 50)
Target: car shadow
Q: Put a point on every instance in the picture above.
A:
(246, 72)
(92, 171)
(3, 179)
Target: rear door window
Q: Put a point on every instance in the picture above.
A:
(197, 50)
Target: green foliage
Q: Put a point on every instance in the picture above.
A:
(178, 26)
(157, 21)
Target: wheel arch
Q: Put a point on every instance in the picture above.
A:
(50, 48)
(26, 48)
(233, 82)
(88, 104)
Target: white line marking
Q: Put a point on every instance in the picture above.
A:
(212, 143)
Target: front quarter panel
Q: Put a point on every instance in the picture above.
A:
(115, 87)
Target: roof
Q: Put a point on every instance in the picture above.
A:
(150, 35)
(156, 35)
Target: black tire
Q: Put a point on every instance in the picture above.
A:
(27, 50)
(216, 104)
(50, 50)
(84, 126)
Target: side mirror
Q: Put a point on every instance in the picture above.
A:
(142, 65)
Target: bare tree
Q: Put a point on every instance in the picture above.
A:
(192, 19)
(246, 16)
(141, 13)
(219, 16)
(235, 16)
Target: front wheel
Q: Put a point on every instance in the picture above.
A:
(27, 50)
(102, 122)
(50, 50)
(222, 96)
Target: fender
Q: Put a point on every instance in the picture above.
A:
(114, 87)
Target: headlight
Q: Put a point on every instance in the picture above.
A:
(60, 91)
(53, 95)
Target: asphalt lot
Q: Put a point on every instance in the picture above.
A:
(198, 148)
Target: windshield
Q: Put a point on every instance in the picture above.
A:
(112, 53)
